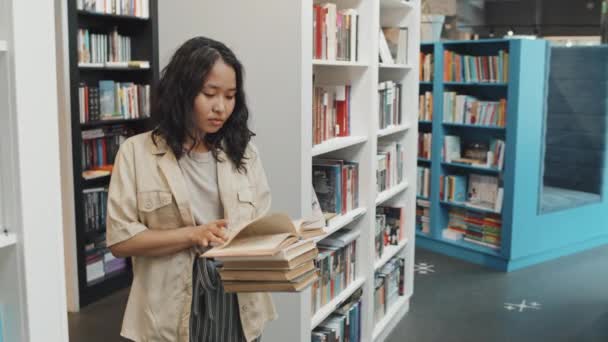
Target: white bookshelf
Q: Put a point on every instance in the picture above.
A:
(277, 53)
(336, 144)
(393, 129)
(330, 307)
(392, 315)
(32, 279)
(395, 66)
(390, 252)
(341, 221)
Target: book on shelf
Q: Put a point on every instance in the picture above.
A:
(101, 48)
(453, 188)
(389, 286)
(474, 191)
(396, 40)
(273, 238)
(423, 216)
(466, 68)
(423, 182)
(425, 142)
(99, 261)
(99, 147)
(344, 324)
(389, 111)
(336, 185)
(390, 157)
(337, 264)
(483, 191)
(331, 112)
(384, 51)
(335, 33)
(136, 8)
(478, 153)
(466, 109)
(425, 106)
(426, 67)
(111, 100)
(394, 221)
(480, 228)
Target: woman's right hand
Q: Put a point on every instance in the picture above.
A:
(206, 234)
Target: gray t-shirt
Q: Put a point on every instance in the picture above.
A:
(200, 173)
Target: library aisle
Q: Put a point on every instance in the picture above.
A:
(458, 301)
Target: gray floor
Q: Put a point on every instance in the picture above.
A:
(463, 302)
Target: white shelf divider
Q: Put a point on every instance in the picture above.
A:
(395, 66)
(341, 221)
(390, 193)
(330, 307)
(3, 46)
(323, 62)
(390, 252)
(392, 316)
(337, 143)
(7, 240)
(393, 129)
(102, 66)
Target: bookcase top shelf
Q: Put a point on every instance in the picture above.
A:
(98, 15)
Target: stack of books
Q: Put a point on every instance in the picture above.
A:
(479, 228)
(389, 284)
(266, 255)
(342, 325)
(423, 216)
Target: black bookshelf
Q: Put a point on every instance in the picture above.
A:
(144, 47)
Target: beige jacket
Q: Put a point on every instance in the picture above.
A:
(148, 191)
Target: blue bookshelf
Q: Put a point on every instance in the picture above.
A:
(528, 236)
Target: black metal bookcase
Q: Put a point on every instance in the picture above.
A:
(144, 46)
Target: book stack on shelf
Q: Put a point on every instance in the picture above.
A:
(423, 182)
(473, 191)
(389, 285)
(344, 325)
(425, 106)
(331, 112)
(483, 229)
(336, 185)
(465, 109)
(423, 216)
(390, 165)
(113, 63)
(476, 69)
(389, 229)
(389, 104)
(335, 33)
(337, 265)
(425, 145)
(135, 8)
(426, 67)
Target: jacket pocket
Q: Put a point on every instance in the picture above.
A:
(246, 203)
(157, 210)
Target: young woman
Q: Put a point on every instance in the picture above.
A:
(176, 190)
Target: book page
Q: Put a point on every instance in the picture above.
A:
(253, 245)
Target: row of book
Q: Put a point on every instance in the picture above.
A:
(95, 206)
(423, 182)
(464, 68)
(100, 146)
(343, 325)
(474, 190)
(466, 109)
(331, 112)
(335, 33)
(425, 142)
(479, 153)
(102, 48)
(336, 184)
(390, 228)
(389, 285)
(423, 216)
(389, 111)
(100, 263)
(113, 101)
(426, 67)
(136, 8)
(337, 267)
(479, 228)
(390, 159)
(425, 106)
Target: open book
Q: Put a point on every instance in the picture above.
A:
(263, 237)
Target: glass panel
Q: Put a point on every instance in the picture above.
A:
(575, 128)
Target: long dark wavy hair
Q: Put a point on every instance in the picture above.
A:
(173, 102)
